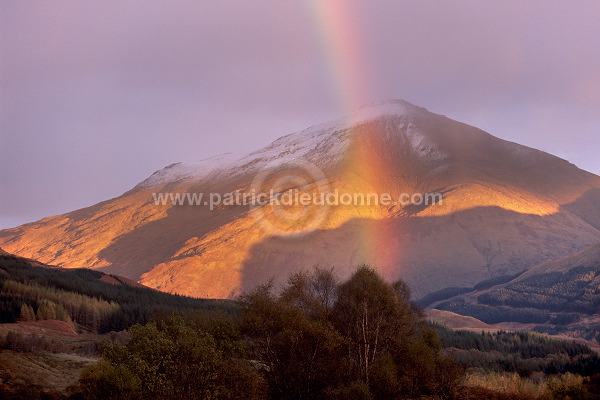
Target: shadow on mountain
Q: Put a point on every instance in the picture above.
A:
(428, 252)
(159, 241)
(586, 207)
(431, 253)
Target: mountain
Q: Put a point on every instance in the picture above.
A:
(505, 208)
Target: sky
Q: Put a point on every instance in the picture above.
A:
(95, 96)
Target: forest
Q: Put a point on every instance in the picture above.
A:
(522, 352)
(29, 293)
(555, 301)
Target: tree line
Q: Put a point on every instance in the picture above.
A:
(521, 352)
(78, 296)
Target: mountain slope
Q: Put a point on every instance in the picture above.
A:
(560, 297)
(506, 207)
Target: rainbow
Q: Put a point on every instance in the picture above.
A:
(339, 26)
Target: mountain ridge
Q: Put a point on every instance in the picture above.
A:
(506, 208)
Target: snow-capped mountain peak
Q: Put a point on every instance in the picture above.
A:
(376, 110)
(320, 144)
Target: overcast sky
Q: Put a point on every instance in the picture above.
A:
(96, 96)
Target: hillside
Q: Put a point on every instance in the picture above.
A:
(506, 208)
(88, 300)
(558, 297)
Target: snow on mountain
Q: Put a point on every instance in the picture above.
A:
(376, 110)
(422, 146)
(320, 144)
(194, 170)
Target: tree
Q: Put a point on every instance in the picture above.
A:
(293, 341)
(46, 310)
(27, 313)
(169, 359)
(314, 292)
(376, 320)
(304, 334)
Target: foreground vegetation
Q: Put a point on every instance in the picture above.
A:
(316, 338)
(512, 386)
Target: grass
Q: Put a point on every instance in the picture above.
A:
(511, 385)
(50, 371)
